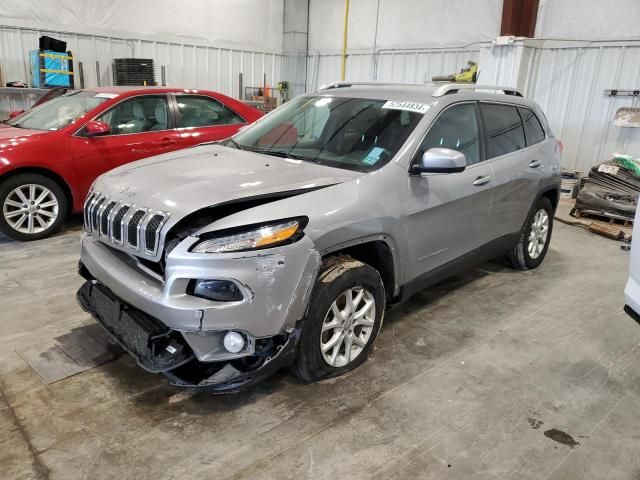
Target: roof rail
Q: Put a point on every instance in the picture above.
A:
(448, 88)
(343, 84)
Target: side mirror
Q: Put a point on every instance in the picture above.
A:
(15, 113)
(441, 160)
(96, 128)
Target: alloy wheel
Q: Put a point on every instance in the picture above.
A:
(347, 326)
(539, 233)
(30, 208)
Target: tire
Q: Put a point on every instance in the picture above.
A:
(529, 252)
(340, 275)
(20, 219)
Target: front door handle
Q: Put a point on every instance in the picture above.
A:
(535, 163)
(482, 180)
(165, 142)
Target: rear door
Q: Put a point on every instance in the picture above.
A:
(141, 127)
(200, 118)
(449, 213)
(515, 161)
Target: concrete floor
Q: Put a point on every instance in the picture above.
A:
(474, 378)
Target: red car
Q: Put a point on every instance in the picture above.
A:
(50, 155)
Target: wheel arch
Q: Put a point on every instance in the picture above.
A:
(553, 194)
(378, 252)
(46, 173)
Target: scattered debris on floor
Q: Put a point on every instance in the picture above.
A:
(607, 231)
(535, 424)
(593, 224)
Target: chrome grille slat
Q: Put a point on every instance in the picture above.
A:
(151, 233)
(133, 229)
(107, 208)
(118, 224)
(126, 226)
(87, 218)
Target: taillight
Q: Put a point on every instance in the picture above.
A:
(559, 149)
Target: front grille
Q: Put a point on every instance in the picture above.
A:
(116, 228)
(104, 219)
(132, 228)
(127, 226)
(151, 233)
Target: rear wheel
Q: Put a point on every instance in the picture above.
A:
(33, 207)
(343, 320)
(534, 238)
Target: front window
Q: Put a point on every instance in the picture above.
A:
(59, 112)
(138, 114)
(352, 133)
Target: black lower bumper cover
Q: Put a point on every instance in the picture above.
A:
(632, 313)
(159, 349)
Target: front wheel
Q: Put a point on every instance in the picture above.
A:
(534, 238)
(343, 319)
(33, 207)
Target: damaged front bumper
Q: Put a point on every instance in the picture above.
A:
(159, 349)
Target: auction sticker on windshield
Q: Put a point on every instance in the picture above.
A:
(408, 106)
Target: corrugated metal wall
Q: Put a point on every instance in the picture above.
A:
(569, 85)
(403, 66)
(188, 65)
(567, 80)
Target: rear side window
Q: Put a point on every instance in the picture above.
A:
(532, 126)
(503, 129)
(204, 112)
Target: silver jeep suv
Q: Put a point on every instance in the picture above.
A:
(283, 246)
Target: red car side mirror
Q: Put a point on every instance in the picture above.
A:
(96, 128)
(15, 113)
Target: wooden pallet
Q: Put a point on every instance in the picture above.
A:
(606, 216)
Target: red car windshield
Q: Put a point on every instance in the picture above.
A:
(59, 112)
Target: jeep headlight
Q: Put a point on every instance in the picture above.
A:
(261, 236)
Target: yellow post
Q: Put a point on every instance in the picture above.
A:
(344, 40)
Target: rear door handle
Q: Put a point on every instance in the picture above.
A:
(535, 163)
(482, 180)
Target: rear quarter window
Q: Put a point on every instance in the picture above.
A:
(503, 129)
(532, 126)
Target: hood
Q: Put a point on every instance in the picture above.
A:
(188, 180)
(9, 133)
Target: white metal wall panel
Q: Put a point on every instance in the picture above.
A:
(409, 66)
(188, 65)
(569, 85)
(567, 81)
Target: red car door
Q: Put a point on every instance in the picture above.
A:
(140, 127)
(201, 118)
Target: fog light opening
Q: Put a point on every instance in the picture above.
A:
(215, 290)
(233, 342)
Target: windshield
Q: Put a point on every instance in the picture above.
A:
(352, 133)
(58, 112)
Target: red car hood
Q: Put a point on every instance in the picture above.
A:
(8, 132)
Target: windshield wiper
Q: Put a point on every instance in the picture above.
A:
(235, 144)
(284, 154)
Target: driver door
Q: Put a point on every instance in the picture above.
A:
(449, 212)
(140, 128)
